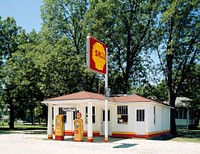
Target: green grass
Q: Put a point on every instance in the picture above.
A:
(185, 135)
(22, 126)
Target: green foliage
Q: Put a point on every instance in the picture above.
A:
(157, 92)
(126, 28)
(191, 86)
(51, 63)
(178, 45)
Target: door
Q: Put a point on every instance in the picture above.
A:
(103, 123)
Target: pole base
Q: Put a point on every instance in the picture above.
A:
(50, 137)
(106, 139)
(90, 139)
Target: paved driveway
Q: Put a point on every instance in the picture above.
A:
(20, 143)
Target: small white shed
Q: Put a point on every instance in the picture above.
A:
(128, 116)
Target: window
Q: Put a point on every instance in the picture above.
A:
(64, 113)
(104, 115)
(140, 115)
(74, 114)
(184, 114)
(93, 114)
(181, 114)
(122, 114)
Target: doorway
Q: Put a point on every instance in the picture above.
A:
(103, 123)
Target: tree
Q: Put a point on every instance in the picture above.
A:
(65, 18)
(156, 92)
(8, 45)
(126, 28)
(191, 88)
(178, 45)
(63, 28)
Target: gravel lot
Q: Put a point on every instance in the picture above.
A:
(22, 143)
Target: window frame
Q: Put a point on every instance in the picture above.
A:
(93, 114)
(122, 114)
(140, 115)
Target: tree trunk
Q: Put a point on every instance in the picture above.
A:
(12, 118)
(173, 114)
(172, 94)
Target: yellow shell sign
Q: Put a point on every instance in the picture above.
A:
(99, 56)
(96, 55)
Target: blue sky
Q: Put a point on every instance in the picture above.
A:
(25, 12)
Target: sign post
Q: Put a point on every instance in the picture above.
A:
(106, 99)
(97, 61)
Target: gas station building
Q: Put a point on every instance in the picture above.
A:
(129, 116)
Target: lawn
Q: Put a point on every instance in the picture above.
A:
(185, 135)
(21, 127)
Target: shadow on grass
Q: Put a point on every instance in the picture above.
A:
(25, 129)
(183, 134)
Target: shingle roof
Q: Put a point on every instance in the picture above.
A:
(131, 98)
(79, 96)
(89, 95)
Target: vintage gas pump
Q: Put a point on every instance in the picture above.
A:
(59, 131)
(78, 128)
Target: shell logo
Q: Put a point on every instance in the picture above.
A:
(99, 56)
(96, 55)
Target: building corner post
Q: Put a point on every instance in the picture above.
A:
(49, 124)
(90, 128)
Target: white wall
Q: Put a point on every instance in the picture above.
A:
(133, 126)
(121, 127)
(162, 118)
(139, 127)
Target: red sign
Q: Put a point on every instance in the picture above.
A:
(96, 55)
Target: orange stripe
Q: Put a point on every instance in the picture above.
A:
(50, 136)
(106, 139)
(123, 134)
(95, 133)
(90, 139)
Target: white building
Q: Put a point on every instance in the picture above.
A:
(128, 116)
(184, 112)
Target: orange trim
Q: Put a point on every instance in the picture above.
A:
(69, 133)
(123, 134)
(156, 134)
(90, 139)
(146, 135)
(50, 136)
(106, 139)
(95, 133)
